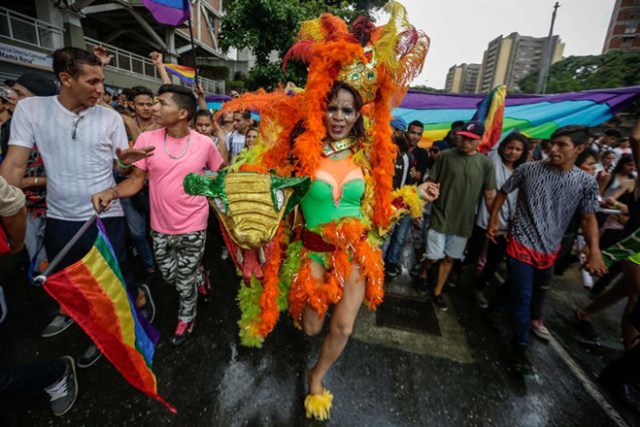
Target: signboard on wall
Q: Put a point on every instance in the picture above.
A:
(22, 56)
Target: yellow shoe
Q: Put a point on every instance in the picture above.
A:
(318, 406)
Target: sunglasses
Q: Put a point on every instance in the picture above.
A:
(76, 121)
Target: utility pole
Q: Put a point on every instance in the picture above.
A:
(547, 53)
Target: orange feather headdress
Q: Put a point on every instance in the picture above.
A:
(379, 62)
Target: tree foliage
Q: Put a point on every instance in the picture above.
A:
(576, 73)
(424, 88)
(271, 25)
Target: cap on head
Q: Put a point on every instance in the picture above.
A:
(441, 145)
(39, 85)
(473, 130)
(399, 124)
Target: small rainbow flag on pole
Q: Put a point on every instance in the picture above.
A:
(184, 73)
(491, 113)
(93, 293)
(169, 12)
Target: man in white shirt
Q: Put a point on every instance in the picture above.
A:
(79, 142)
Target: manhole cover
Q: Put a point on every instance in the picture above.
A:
(408, 314)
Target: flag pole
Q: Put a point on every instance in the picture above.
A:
(195, 58)
(39, 280)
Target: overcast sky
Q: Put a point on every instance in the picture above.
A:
(460, 30)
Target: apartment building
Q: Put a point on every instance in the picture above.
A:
(462, 78)
(624, 27)
(508, 59)
(31, 29)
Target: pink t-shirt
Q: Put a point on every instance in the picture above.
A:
(172, 210)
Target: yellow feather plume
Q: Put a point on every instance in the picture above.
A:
(409, 195)
(311, 30)
(318, 406)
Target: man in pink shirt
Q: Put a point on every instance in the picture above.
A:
(178, 220)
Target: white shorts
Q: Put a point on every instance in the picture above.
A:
(439, 245)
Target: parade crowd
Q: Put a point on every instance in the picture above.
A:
(528, 207)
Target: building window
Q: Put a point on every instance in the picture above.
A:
(630, 28)
(212, 22)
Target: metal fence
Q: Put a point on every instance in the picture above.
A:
(138, 65)
(125, 61)
(17, 26)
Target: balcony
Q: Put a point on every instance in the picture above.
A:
(138, 66)
(34, 32)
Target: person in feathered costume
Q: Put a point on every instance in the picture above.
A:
(329, 148)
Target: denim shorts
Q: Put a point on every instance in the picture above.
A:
(439, 245)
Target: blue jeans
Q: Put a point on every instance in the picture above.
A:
(396, 241)
(137, 224)
(58, 232)
(528, 286)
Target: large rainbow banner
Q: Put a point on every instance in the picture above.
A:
(536, 116)
(93, 293)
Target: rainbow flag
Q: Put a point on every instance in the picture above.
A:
(184, 73)
(168, 12)
(93, 293)
(491, 113)
(536, 116)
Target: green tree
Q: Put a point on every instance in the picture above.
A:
(271, 25)
(424, 88)
(575, 73)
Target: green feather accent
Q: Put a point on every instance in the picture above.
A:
(289, 267)
(249, 302)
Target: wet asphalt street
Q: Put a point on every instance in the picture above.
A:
(384, 378)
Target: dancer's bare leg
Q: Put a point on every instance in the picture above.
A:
(311, 322)
(342, 321)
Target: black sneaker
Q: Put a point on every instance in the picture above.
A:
(438, 301)
(58, 325)
(90, 356)
(586, 327)
(481, 299)
(3, 306)
(622, 393)
(521, 361)
(393, 270)
(63, 393)
(421, 286)
(148, 311)
(415, 270)
(183, 332)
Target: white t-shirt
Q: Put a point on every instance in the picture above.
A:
(620, 151)
(76, 167)
(235, 143)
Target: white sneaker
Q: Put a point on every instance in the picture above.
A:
(224, 254)
(539, 330)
